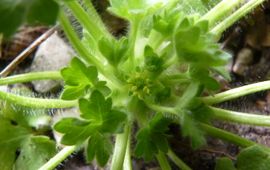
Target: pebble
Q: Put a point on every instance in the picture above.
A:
(52, 55)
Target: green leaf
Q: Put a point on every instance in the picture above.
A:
(192, 91)
(224, 164)
(166, 21)
(113, 122)
(12, 15)
(96, 107)
(40, 148)
(78, 77)
(100, 147)
(200, 111)
(189, 128)
(18, 141)
(78, 73)
(253, 158)
(38, 12)
(145, 147)
(202, 75)
(223, 72)
(113, 50)
(153, 62)
(73, 92)
(194, 45)
(16, 12)
(11, 137)
(97, 116)
(152, 138)
(75, 131)
(7, 157)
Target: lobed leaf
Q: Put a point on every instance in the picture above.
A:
(79, 79)
(17, 137)
(99, 146)
(152, 138)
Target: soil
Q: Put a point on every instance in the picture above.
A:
(249, 43)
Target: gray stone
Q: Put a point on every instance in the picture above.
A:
(52, 55)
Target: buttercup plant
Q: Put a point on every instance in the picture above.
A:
(153, 76)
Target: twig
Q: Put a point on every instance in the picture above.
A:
(218, 152)
(27, 51)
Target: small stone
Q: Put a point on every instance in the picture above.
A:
(52, 55)
(243, 60)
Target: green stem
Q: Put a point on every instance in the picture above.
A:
(133, 36)
(241, 12)
(162, 109)
(52, 75)
(36, 102)
(236, 92)
(210, 130)
(225, 135)
(128, 161)
(58, 158)
(105, 70)
(120, 149)
(220, 10)
(76, 42)
(90, 22)
(181, 164)
(163, 162)
(97, 20)
(245, 118)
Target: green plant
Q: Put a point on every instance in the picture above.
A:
(152, 77)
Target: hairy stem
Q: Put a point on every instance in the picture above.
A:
(76, 42)
(133, 36)
(105, 70)
(236, 92)
(36, 102)
(241, 12)
(181, 164)
(97, 20)
(163, 162)
(162, 109)
(220, 10)
(58, 158)
(90, 22)
(225, 135)
(52, 75)
(120, 149)
(245, 118)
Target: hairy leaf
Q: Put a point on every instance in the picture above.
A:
(79, 78)
(152, 138)
(17, 139)
(99, 146)
(189, 128)
(40, 148)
